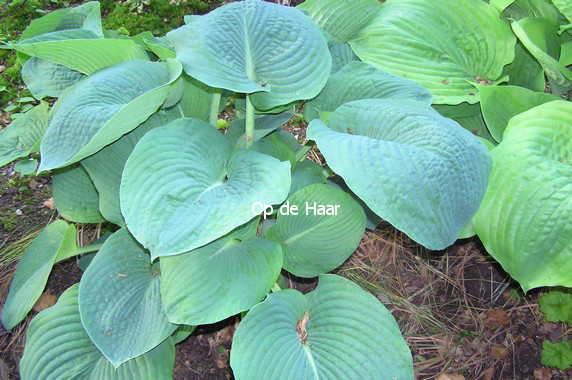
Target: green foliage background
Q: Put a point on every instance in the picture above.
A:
(156, 16)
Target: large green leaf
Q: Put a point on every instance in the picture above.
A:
(525, 220)
(318, 240)
(540, 37)
(565, 7)
(103, 107)
(421, 172)
(446, 45)
(45, 78)
(57, 347)
(58, 239)
(23, 135)
(183, 187)
(525, 71)
(469, 116)
(499, 104)
(336, 331)
(120, 300)
(342, 54)
(252, 46)
(358, 80)
(233, 271)
(306, 173)
(341, 19)
(106, 166)
(75, 196)
(196, 99)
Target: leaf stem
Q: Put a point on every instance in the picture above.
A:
(249, 127)
(276, 288)
(88, 249)
(215, 106)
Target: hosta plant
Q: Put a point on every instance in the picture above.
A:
(203, 222)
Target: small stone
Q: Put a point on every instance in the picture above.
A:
(19, 212)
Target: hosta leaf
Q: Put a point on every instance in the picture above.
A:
(196, 99)
(338, 330)
(106, 166)
(530, 198)
(274, 146)
(540, 37)
(469, 116)
(306, 173)
(236, 272)
(421, 172)
(565, 7)
(519, 9)
(75, 196)
(566, 53)
(556, 305)
(183, 187)
(57, 347)
(458, 44)
(26, 167)
(525, 71)
(120, 300)
(342, 54)
(340, 19)
(358, 80)
(182, 333)
(316, 241)
(255, 47)
(34, 268)
(103, 107)
(557, 355)
(501, 103)
(45, 78)
(23, 135)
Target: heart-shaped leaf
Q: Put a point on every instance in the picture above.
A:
(500, 103)
(336, 329)
(449, 52)
(57, 347)
(525, 220)
(358, 80)
(106, 166)
(24, 134)
(236, 272)
(31, 276)
(103, 107)
(75, 196)
(252, 46)
(341, 19)
(120, 300)
(324, 231)
(184, 186)
(421, 172)
(45, 78)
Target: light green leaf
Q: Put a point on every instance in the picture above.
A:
(318, 240)
(565, 7)
(468, 116)
(421, 172)
(183, 187)
(566, 53)
(263, 126)
(557, 355)
(501, 5)
(182, 333)
(252, 46)
(520, 9)
(336, 329)
(196, 99)
(45, 78)
(340, 20)
(273, 145)
(31, 276)
(358, 80)
(235, 272)
(460, 43)
(120, 300)
(103, 107)
(501, 103)
(530, 198)
(540, 37)
(525, 71)
(75, 196)
(23, 135)
(26, 167)
(342, 54)
(57, 347)
(556, 306)
(306, 173)
(106, 166)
